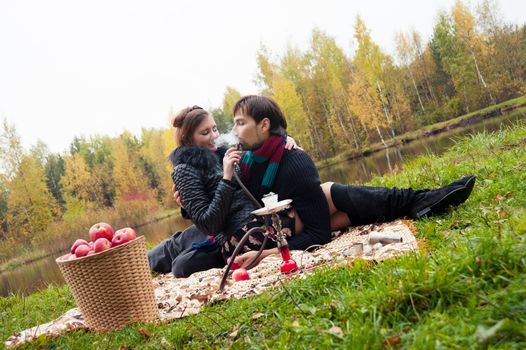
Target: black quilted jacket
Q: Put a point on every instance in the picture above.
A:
(213, 204)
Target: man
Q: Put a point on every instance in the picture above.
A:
(291, 174)
(258, 121)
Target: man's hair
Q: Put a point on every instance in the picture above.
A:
(260, 107)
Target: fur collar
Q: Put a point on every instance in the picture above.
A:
(197, 157)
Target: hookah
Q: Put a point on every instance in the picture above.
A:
(270, 229)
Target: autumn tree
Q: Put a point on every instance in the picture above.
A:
(10, 151)
(54, 169)
(130, 180)
(406, 55)
(464, 23)
(154, 150)
(31, 206)
(370, 61)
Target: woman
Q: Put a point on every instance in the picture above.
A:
(215, 203)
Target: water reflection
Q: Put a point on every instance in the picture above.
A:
(37, 275)
(361, 170)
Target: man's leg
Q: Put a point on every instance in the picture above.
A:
(368, 204)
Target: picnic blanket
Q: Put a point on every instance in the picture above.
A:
(180, 297)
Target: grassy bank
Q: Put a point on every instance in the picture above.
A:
(461, 121)
(466, 289)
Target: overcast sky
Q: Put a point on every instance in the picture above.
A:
(71, 68)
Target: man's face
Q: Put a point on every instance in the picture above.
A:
(251, 135)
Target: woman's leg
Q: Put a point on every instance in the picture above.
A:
(339, 219)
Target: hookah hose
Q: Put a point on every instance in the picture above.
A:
(247, 192)
(252, 262)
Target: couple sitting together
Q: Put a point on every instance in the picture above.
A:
(270, 162)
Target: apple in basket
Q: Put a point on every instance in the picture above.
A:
(82, 250)
(240, 275)
(122, 236)
(77, 243)
(101, 230)
(101, 244)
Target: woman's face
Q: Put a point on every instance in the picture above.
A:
(206, 134)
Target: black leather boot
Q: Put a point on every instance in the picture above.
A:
(368, 204)
(437, 201)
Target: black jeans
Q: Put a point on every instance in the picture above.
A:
(177, 255)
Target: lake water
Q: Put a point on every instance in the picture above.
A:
(37, 275)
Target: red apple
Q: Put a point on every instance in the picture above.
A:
(120, 237)
(234, 266)
(240, 275)
(82, 250)
(76, 244)
(101, 244)
(128, 231)
(91, 252)
(66, 257)
(100, 230)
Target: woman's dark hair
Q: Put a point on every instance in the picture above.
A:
(185, 123)
(260, 107)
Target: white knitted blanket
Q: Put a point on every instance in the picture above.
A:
(179, 297)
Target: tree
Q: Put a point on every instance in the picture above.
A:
(370, 60)
(406, 54)
(54, 170)
(266, 71)
(230, 98)
(297, 68)
(223, 121)
(158, 171)
(10, 151)
(130, 181)
(331, 74)
(366, 104)
(31, 207)
(465, 28)
(290, 102)
(453, 59)
(77, 182)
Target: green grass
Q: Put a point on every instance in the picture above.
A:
(466, 289)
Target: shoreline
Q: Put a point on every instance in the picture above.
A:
(428, 130)
(14, 263)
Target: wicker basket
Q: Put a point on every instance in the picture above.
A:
(114, 287)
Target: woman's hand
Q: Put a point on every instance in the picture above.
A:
(243, 259)
(291, 144)
(232, 156)
(177, 196)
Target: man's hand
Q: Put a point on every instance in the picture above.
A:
(243, 259)
(177, 197)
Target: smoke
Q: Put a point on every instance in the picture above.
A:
(227, 140)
